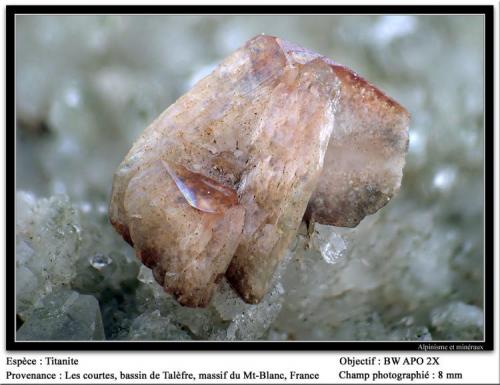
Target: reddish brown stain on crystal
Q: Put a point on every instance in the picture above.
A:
(123, 231)
(238, 280)
(218, 278)
(149, 257)
(159, 274)
(349, 76)
(196, 300)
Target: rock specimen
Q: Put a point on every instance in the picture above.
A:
(219, 183)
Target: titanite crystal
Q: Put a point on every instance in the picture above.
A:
(219, 183)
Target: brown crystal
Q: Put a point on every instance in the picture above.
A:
(219, 182)
(363, 166)
(188, 249)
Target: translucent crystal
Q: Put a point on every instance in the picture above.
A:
(255, 142)
(47, 244)
(100, 261)
(254, 320)
(202, 193)
(331, 244)
(153, 327)
(64, 315)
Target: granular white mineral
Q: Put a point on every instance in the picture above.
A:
(64, 315)
(412, 271)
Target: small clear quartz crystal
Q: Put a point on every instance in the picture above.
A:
(331, 245)
(100, 261)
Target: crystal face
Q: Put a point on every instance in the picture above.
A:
(64, 315)
(201, 192)
(219, 183)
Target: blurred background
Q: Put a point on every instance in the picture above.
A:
(86, 87)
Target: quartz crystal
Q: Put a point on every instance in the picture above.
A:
(218, 184)
(64, 315)
(48, 239)
(153, 327)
